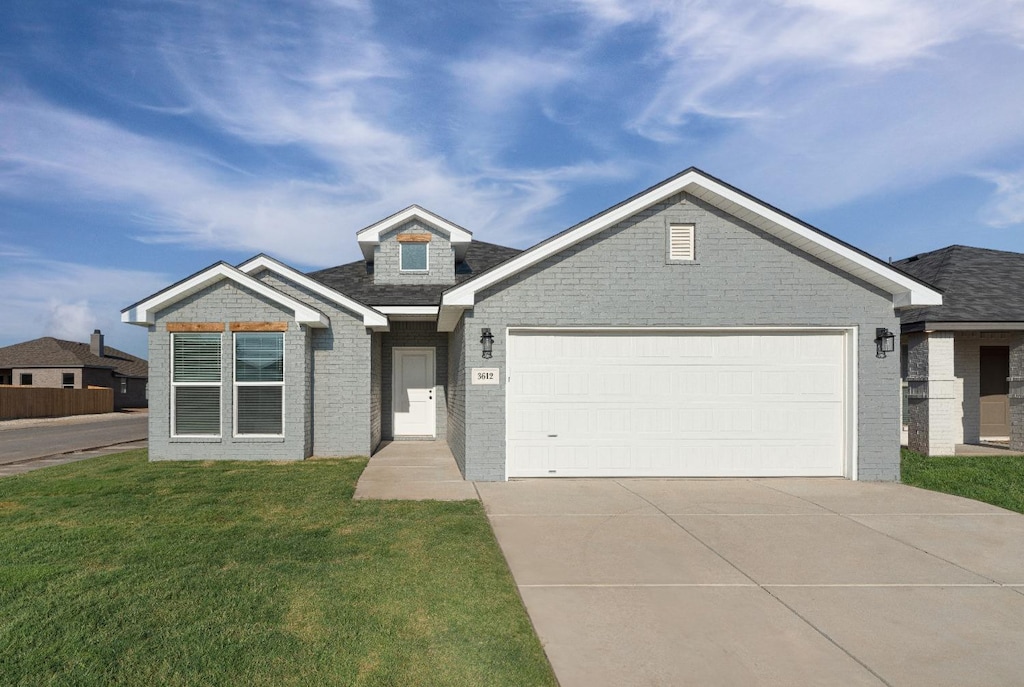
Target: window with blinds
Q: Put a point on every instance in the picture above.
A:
(195, 384)
(680, 242)
(259, 384)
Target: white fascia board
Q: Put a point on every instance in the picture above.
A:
(369, 237)
(407, 309)
(145, 312)
(371, 317)
(905, 291)
(448, 318)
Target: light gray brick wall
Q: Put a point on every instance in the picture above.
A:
(376, 391)
(1017, 392)
(936, 415)
(440, 257)
(341, 396)
(742, 276)
(227, 302)
(420, 335)
(456, 394)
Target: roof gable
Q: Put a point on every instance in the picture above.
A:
(372, 318)
(369, 237)
(906, 290)
(144, 312)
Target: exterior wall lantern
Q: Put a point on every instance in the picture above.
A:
(487, 339)
(885, 342)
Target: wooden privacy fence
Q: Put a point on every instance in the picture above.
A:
(25, 401)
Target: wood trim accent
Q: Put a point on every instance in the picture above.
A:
(414, 238)
(195, 326)
(259, 326)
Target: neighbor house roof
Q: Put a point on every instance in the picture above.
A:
(982, 289)
(905, 289)
(355, 279)
(51, 352)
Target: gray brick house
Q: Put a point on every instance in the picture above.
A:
(963, 361)
(690, 330)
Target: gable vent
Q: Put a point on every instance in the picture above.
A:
(680, 242)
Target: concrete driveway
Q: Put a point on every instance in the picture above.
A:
(765, 582)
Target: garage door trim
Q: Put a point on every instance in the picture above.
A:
(849, 352)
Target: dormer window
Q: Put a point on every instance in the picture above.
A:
(414, 257)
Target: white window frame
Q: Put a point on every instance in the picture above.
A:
(236, 384)
(401, 253)
(220, 395)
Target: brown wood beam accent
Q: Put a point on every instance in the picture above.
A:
(414, 238)
(259, 326)
(195, 326)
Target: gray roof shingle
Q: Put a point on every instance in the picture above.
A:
(355, 279)
(50, 352)
(978, 285)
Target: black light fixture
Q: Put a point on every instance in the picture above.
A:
(885, 342)
(487, 339)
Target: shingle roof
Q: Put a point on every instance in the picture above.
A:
(978, 285)
(355, 279)
(50, 352)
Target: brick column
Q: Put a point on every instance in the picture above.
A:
(1017, 394)
(934, 414)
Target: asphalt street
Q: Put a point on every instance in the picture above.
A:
(28, 443)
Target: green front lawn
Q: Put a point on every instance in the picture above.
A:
(998, 480)
(115, 571)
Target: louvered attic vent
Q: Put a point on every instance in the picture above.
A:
(680, 242)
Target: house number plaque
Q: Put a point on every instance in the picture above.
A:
(484, 375)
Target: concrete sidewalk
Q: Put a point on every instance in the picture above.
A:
(765, 582)
(8, 469)
(414, 471)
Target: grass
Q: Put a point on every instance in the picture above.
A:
(115, 571)
(998, 480)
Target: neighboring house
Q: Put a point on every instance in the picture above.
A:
(964, 360)
(689, 330)
(56, 363)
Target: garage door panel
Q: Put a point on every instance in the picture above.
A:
(700, 404)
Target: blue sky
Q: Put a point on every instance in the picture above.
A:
(142, 141)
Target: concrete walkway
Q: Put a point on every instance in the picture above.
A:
(414, 471)
(765, 582)
(986, 449)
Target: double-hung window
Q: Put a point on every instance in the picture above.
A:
(195, 384)
(259, 384)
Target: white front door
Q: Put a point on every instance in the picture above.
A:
(412, 398)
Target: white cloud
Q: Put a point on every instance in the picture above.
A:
(499, 79)
(1006, 208)
(70, 300)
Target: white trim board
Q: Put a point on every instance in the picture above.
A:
(144, 313)
(905, 290)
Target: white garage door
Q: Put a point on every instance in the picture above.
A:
(753, 403)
